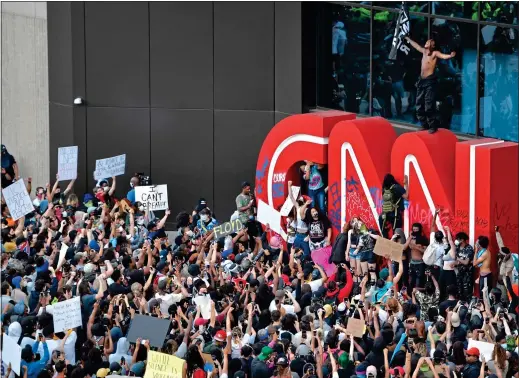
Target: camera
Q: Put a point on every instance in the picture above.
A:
(143, 179)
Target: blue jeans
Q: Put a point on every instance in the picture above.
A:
(300, 242)
(318, 198)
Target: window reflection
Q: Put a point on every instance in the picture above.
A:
(413, 6)
(505, 12)
(457, 92)
(350, 59)
(499, 89)
(394, 90)
(464, 9)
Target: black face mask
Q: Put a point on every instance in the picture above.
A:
(380, 283)
(415, 233)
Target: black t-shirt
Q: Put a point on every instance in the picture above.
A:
(446, 304)
(7, 164)
(398, 191)
(116, 289)
(317, 229)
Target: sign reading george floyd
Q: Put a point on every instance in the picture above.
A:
(67, 163)
(148, 328)
(17, 199)
(110, 167)
(154, 197)
(227, 228)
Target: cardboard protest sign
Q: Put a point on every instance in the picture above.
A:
(321, 256)
(355, 327)
(153, 197)
(11, 352)
(288, 205)
(148, 328)
(485, 349)
(110, 167)
(163, 365)
(17, 199)
(67, 163)
(208, 359)
(67, 314)
(227, 228)
(270, 216)
(385, 246)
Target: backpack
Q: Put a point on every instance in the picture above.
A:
(429, 256)
(387, 201)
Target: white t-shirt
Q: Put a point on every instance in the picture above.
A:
(51, 344)
(316, 284)
(236, 347)
(168, 300)
(289, 309)
(70, 348)
(439, 250)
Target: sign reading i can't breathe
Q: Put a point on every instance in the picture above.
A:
(155, 196)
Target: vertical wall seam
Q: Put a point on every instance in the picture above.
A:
(86, 94)
(149, 79)
(213, 126)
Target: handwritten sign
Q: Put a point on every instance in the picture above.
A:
(227, 228)
(67, 314)
(321, 256)
(385, 246)
(11, 352)
(355, 327)
(67, 163)
(485, 349)
(17, 199)
(154, 197)
(163, 365)
(288, 205)
(270, 216)
(110, 167)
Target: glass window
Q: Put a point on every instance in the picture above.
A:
(505, 12)
(394, 90)
(499, 89)
(413, 6)
(349, 65)
(464, 9)
(457, 91)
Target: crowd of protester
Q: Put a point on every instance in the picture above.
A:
(273, 312)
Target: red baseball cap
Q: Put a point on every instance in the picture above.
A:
(221, 335)
(397, 370)
(473, 352)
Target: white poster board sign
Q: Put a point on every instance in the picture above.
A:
(204, 301)
(17, 199)
(288, 205)
(270, 216)
(110, 167)
(67, 163)
(154, 196)
(485, 349)
(11, 352)
(67, 314)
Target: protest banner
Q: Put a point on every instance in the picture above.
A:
(67, 314)
(153, 197)
(402, 29)
(67, 163)
(227, 228)
(385, 246)
(485, 349)
(288, 205)
(11, 352)
(148, 328)
(321, 256)
(18, 200)
(355, 327)
(163, 365)
(270, 216)
(110, 167)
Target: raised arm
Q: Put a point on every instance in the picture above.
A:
(112, 188)
(162, 222)
(69, 187)
(291, 196)
(415, 45)
(444, 56)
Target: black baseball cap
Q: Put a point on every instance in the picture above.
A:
(245, 184)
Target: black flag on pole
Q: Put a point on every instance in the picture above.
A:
(401, 30)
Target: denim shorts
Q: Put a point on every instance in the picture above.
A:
(367, 256)
(354, 254)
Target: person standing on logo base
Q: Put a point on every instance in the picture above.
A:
(427, 84)
(245, 205)
(393, 196)
(314, 174)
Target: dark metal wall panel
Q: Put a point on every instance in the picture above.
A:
(279, 116)
(288, 75)
(238, 136)
(181, 48)
(60, 52)
(182, 156)
(116, 131)
(244, 55)
(60, 133)
(117, 54)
